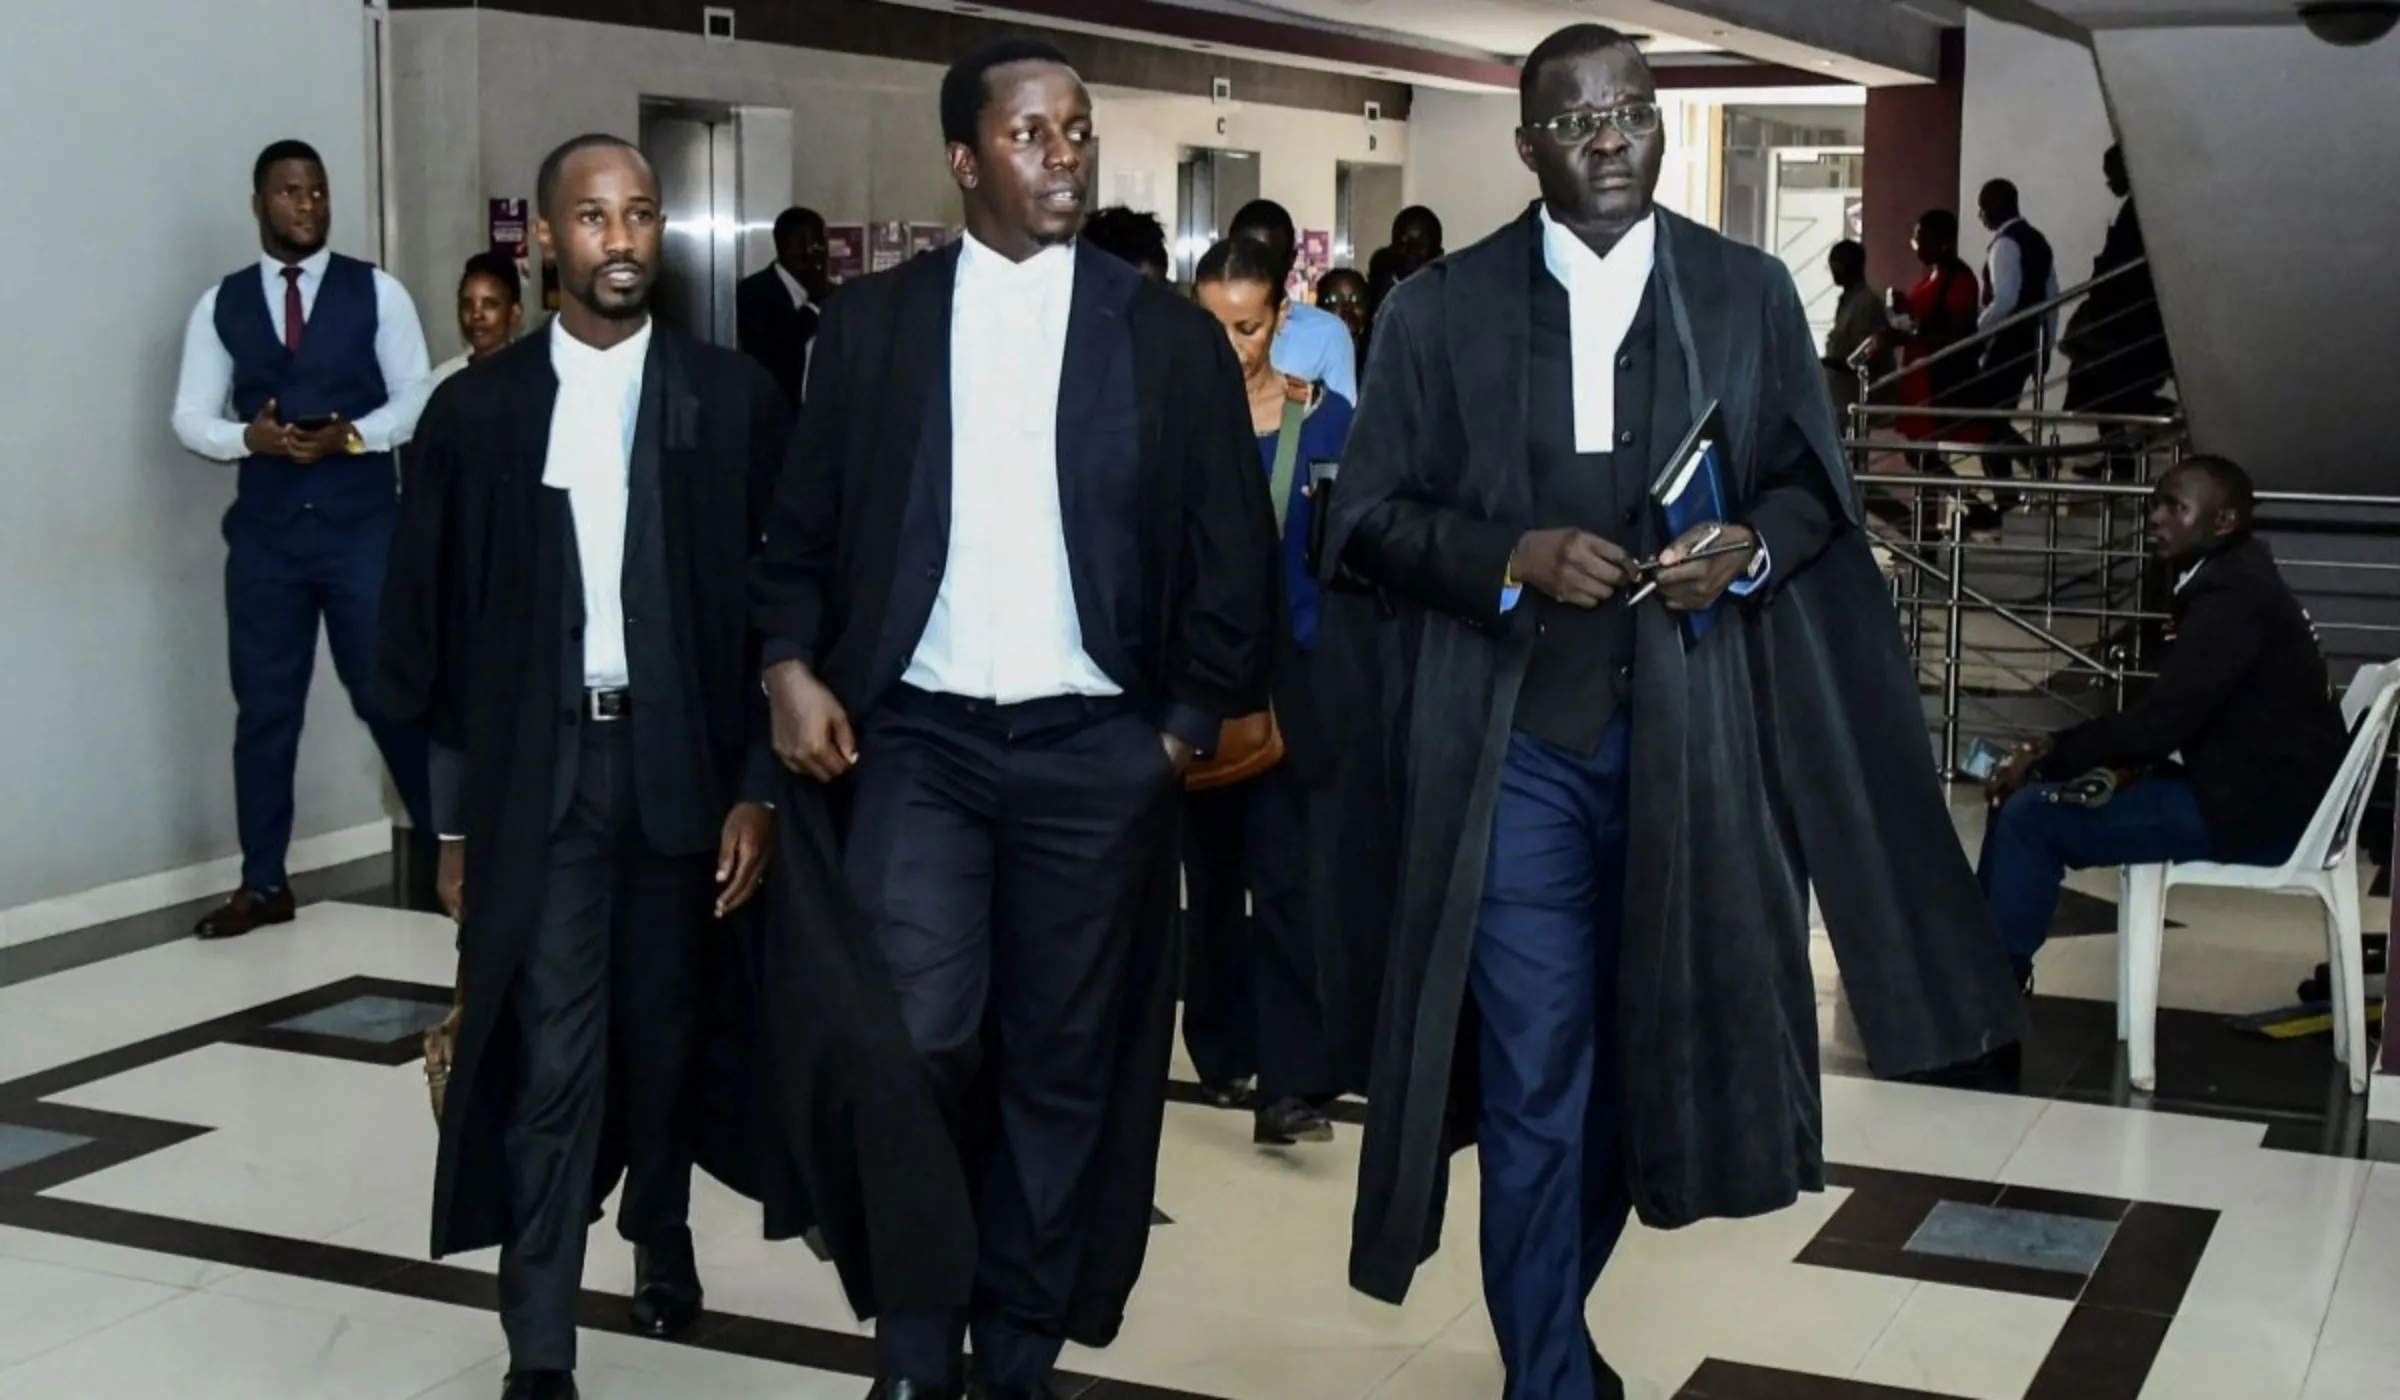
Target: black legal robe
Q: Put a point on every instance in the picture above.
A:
(475, 646)
(1182, 612)
(1783, 751)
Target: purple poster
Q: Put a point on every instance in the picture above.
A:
(508, 228)
(927, 238)
(1315, 260)
(887, 246)
(846, 251)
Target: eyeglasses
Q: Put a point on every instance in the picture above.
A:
(1633, 121)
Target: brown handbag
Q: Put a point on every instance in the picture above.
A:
(1248, 745)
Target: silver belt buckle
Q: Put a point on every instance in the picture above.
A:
(604, 706)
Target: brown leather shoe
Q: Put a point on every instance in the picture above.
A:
(247, 911)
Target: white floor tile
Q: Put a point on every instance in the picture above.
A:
(43, 1307)
(1965, 1342)
(206, 1346)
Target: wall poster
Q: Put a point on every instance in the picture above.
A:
(846, 251)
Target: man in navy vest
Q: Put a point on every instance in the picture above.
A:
(2019, 273)
(307, 368)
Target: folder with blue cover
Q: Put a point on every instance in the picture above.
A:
(1690, 491)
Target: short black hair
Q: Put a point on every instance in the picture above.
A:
(1420, 215)
(966, 91)
(1267, 216)
(1941, 223)
(277, 154)
(499, 268)
(1998, 197)
(1849, 253)
(545, 184)
(1243, 260)
(789, 223)
(1341, 274)
(1574, 41)
(2241, 494)
(1128, 235)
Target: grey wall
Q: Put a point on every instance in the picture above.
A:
(480, 96)
(2031, 112)
(2269, 182)
(132, 125)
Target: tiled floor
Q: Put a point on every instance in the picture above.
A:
(215, 1162)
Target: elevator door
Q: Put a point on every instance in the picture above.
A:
(1211, 186)
(696, 150)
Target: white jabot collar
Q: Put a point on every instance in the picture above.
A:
(578, 364)
(1047, 270)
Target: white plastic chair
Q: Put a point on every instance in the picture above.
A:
(2324, 867)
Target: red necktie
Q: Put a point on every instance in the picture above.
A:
(295, 316)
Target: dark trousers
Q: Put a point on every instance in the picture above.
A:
(2006, 372)
(603, 1008)
(2031, 843)
(999, 853)
(1249, 973)
(1544, 977)
(281, 580)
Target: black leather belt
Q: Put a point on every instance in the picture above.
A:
(607, 706)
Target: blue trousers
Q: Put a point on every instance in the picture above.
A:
(281, 580)
(2031, 843)
(1544, 978)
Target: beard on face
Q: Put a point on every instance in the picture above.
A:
(593, 288)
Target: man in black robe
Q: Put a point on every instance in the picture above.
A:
(567, 617)
(1020, 569)
(1614, 806)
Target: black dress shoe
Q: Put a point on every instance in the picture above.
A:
(540, 1385)
(666, 1288)
(1289, 1123)
(888, 1389)
(1238, 1093)
(245, 912)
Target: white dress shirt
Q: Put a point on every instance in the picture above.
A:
(591, 459)
(1004, 626)
(203, 410)
(1603, 297)
(2004, 264)
(791, 284)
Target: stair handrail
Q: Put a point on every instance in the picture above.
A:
(1985, 335)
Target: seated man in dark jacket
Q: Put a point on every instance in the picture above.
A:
(2226, 757)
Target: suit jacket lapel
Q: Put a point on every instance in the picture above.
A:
(920, 349)
(1693, 343)
(1489, 312)
(645, 467)
(1094, 334)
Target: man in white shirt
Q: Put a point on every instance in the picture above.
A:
(568, 620)
(1627, 758)
(2020, 272)
(776, 308)
(307, 368)
(1019, 571)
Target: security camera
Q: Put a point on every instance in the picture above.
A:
(2350, 23)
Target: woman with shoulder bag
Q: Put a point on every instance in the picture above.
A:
(1250, 1001)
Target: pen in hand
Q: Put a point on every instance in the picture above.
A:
(1700, 550)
